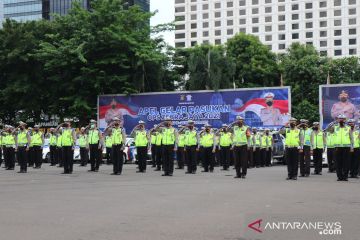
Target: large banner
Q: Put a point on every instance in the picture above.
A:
(261, 107)
(339, 99)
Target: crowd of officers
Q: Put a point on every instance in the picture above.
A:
(244, 146)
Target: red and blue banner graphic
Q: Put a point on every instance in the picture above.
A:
(260, 107)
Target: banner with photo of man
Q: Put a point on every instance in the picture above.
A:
(339, 99)
(260, 107)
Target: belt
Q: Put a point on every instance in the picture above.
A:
(292, 146)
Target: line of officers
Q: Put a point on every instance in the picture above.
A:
(340, 140)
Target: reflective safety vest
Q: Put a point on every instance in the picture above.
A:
(141, 139)
(36, 139)
(342, 138)
(82, 140)
(93, 136)
(108, 141)
(22, 138)
(158, 139)
(270, 140)
(251, 142)
(208, 140)
(117, 137)
(256, 140)
(239, 137)
(330, 140)
(67, 138)
(168, 136)
(318, 140)
(292, 138)
(225, 139)
(9, 140)
(191, 138)
(1, 140)
(59, 140)
(52, 139)
(182, 140)
(307, 136)
(356, 139)
(263, 143)
(153, 139)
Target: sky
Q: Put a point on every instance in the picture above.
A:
(165, 14)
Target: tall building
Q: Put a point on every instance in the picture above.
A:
(332, 26)
(60, 7)
(144, 4)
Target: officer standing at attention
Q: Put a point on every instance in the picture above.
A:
(180, 154)
(269, 147)
(293, 146)
(330, 144)
(191, 148)
(118, 144)
(95, 146)
(318, 143)
(52, 143)
(344, 146)
(68, 144)
(159, 147)
(59, 158)
(169, 142)
(22, 147)
(355, 155)
(83, 145)
(256, 147)
(9, 141)
(108, 145)
(37, 142)
(305, 155)
(263, 147)
(153, 146)
(240, 144)
(141, 139)
(225, 142)
(30, 153)
(208, 143)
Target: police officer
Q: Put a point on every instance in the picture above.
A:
(68, 140)
(225, 142)
(191, 148)
(269, 146)
(37, 140)
(330, 152)
(263, 147)
(141, 139)
(9, 141)
(208, 144)
(52, 143)
(180, 154)
(118, 144)
(293, 146)
(355, 155)
(159, 148)
(59, 155)
(108, 146)
(95, 146)
(169, 142)
(305, 155)
(153, 146)
(1, 146)
(257, 147)
(318, 143)
(22, 147)
(240, 144)
(83, 145)
(344, 146)
(30, 153)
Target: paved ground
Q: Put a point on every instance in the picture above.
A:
(45, 205)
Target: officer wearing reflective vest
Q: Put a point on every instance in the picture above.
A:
(153, 146)
(180, 153)
(257, 137)
(318, 144)
(263, 147)
(208, 149)
(330, 146)
(305, 155)
(37, 142)
(344, 147)
(225, 142)
(269, 146)
(68, 140)
(240, 143)
(191, 147)
(108, 146)
(355, 155)
(9, 140)
(52, 143)
(293, 146)
(159, 147)
(59, 158)
(200, 147)
(141, 139)
(95, 146)
(169, 145)
(84, 146)
(23, 140)
(1, 146)
(30, 153)
(118, 145)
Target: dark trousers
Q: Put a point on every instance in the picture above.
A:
(263, 157)
(268, 157)
(208, 159)
(292, 158)
(250, 153)
(180, 157)
(68, 156)
(153, 155)
(117, 158)
(1, 153)
(354, 164)
(142, 157)
(37, 156)
(317, 155)
(304, 158)
(168, 159)
(225, 157)
(342, 162)
(60, 157)
(31, 159)
(257, 156)
(22, 158)
(9, 156)
(95, 159)
(191, 158)
(331, 159)
(241, 160)
(200, 156)
(52, 155)
(84, 156)
(108, 155)
(159, 153)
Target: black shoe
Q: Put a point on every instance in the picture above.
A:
(243, 176)
(96, 170)
(307, 175)
(188, 172)
(237, 177)
(204, 171)
(339, 179)
(319, 173)
(170, 174)
(294, 178)
(64, 173)
(345, 179)
(20, 172)
(288, 178)
(212, 170)
(91, 170)
(139, 171)
(165, 174)
(302, 175)
(114, 174)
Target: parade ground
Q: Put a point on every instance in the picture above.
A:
(45, 204)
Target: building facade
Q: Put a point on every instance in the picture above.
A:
(332, 26)
(60, 7)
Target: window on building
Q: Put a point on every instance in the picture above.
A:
(337, 42)
(281, 27)
(308, 5)
(323, 14)
(243, 30)
(217, 23)
(217, 41)
(205, 15)
(217, 14)
(352, 2)
(322, 4)
(180, 18)
(193, 16)
(179, 35)
(180, 9)
(179, 1)
(323, 53)
(180, 27)
(281, 8)
(338, 52)
(255, 20)
(352, 21)
(308, 15)
(352, 11)
(309, 25)
(295, 26)
(352, 31)
(268, 19)
(323, 23)
(194, 34)
(193, 8)
(217, 5)
(217, 32)
(281, 46)
(205, 6)
(255, 29)
(323, 33)
(268, 10)
(281, 18)
(295, 17)
(180, 44)
(337, 32)
(230, 22)
(193, 25)
(267, 1)
(229, 4)
(230, 13)
(242, 3)
(337, 13)
(337, 3)
(352, 51)
(337, 22)
(230, 32)
(255, 11)
(323, 43)
(352, 41)
(268, 38)
(268, 28)
(295, 7)
(282, 37)
(193, 43)
(205, 33)
(242, 21)
(309, 34)
(242, 12)
(205, 24)
(295, 36)
(255, 2)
